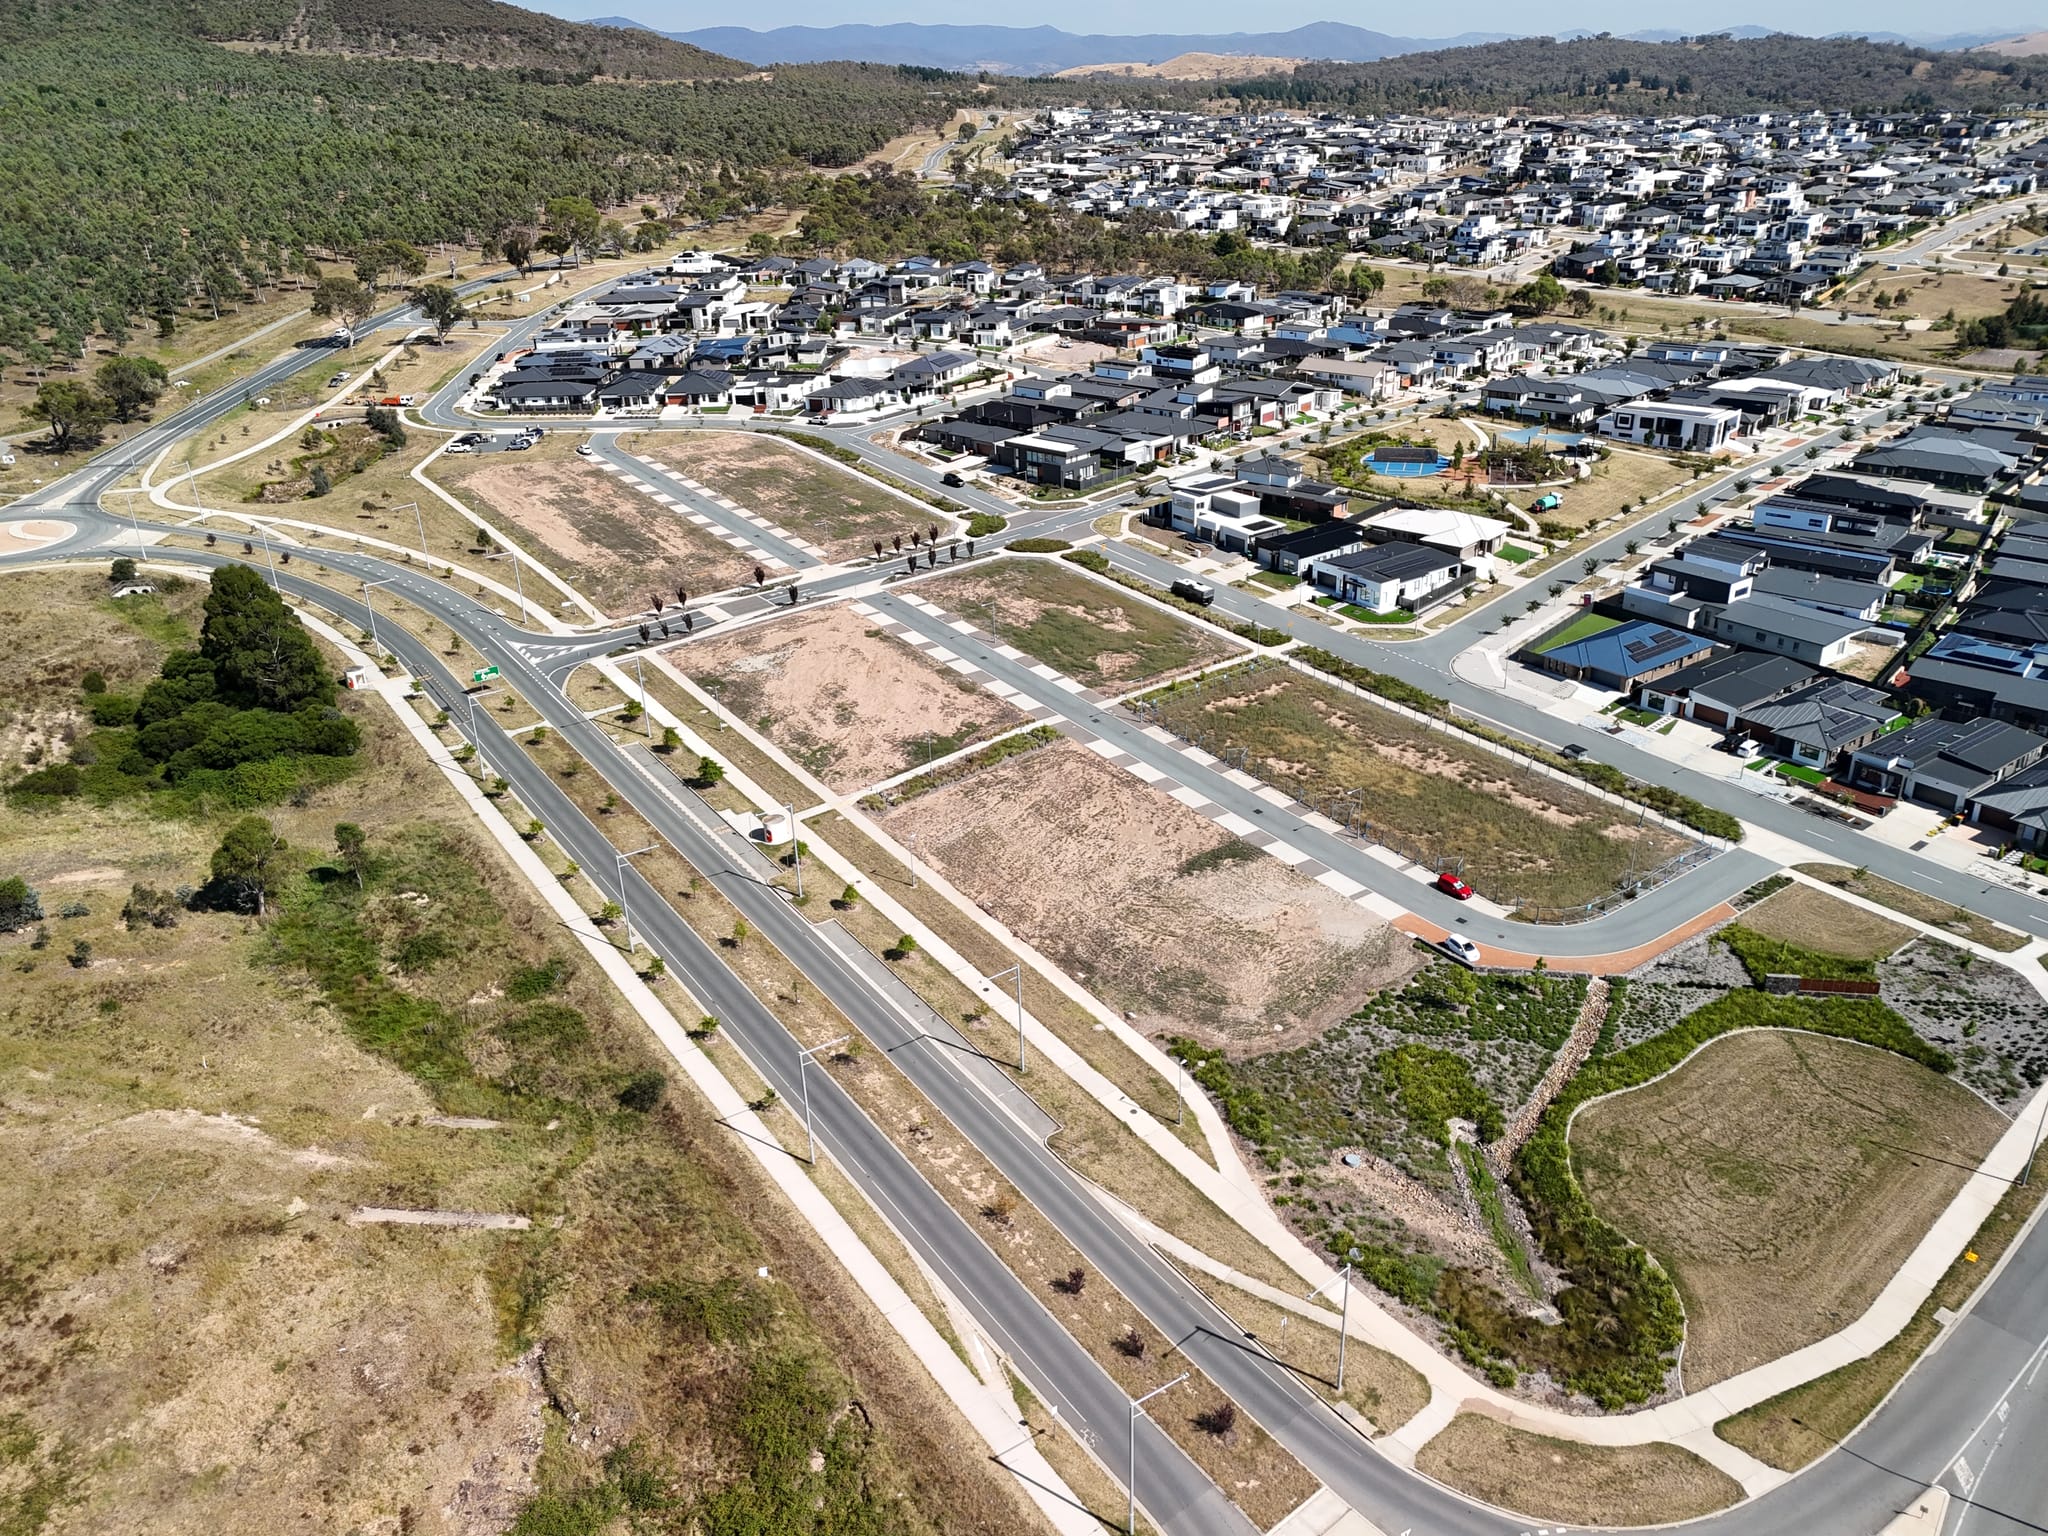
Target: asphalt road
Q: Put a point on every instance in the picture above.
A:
(1908, 1444)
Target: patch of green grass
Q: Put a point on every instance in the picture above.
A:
(1486, 1190)
(1762, 955)
(1360, 615)
(1514, 554)
(1279, 581)
(1580, 628)
(1236, 851)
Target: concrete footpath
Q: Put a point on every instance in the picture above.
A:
(1687, 1421)
(986, 1405)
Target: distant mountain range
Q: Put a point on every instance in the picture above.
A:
(1048, 50)
(1041, 50)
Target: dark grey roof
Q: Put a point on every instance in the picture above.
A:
(1740, 678)
(1828, 713)
(1395, 561)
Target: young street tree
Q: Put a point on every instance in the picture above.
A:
(352, 844)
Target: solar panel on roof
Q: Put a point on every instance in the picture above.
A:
(1662, 645)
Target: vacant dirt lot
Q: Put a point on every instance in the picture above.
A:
(1550, 1479)
(1623, 476)
(1088, 629)
(1154, 908)
(1815, 920)
(612, 544)
(840, 511)
(1782, 1179)
(848, 702)
(1521, 837)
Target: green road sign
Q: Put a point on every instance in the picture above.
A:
(484, 676)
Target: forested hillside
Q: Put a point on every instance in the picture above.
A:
(141, 164)
(1714, 74)
(478, 32)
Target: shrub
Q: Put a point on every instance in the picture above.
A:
(643, 1091)
(1218, 1420)
(1762, 956)
(1088, 559)
(1130, 1344)
(982, 524)
(19, 905)
(1038, 546)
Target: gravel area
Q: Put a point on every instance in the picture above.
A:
(1981, 1012)
(1675, 985)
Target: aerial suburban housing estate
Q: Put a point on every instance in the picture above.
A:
(884, 778)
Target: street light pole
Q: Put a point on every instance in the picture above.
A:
(475, 739)
(263, 533)
(518, 581)
(1015, 974)
(803, 1061)
(796, 850)
(1344, 1317)
(1131, 1483)
(646, 716)
(625, 913)
(378, 645)
(420, 521)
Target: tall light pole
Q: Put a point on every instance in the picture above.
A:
(625, 913)
(475, 739)
(420, 521)
(1014, 974)
(646, 716)
(1131, 1483)
(263, 533)
(803, 1081)
(1343, 1318)
(378, 645)
(796, 850)
(518, 581)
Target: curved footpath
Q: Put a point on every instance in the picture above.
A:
(1855, 1489)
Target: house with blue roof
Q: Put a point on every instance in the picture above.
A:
(1622, 655)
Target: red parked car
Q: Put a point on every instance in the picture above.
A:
(1451, 885)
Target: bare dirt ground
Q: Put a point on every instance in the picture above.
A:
(612, 544)
(839, 511)
(1157, 910)
(1548, 1479)
(1782, 1179)
(845, 700)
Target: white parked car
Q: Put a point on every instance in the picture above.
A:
(583, 450)
(1460, 949)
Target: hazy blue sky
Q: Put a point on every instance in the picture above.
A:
(1912, 17)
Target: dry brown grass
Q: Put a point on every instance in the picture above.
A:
(616, 546)
(1781, 1179)
(1264, 1478)
(201, 1124)
(1521, 836)
(840, 511)
(1815, 920)
(1916, 904)
(1162, 913)
(1623, 476)
(1094, 632)
(1548, 1479)
(1796, 1427)
(846, 700)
